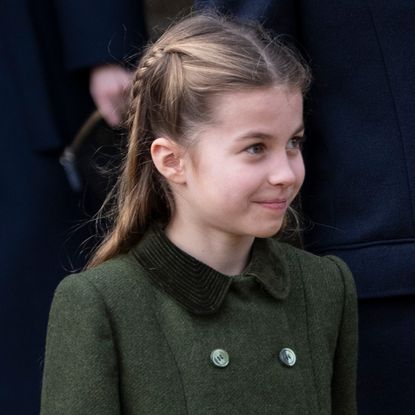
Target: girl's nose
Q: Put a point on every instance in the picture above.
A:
(284, 172)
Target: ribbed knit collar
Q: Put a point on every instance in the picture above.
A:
(196, 286)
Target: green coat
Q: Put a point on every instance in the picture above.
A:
(135, 335)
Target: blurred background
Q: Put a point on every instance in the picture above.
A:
(60, 60)
(160, 13)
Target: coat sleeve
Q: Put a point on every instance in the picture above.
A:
(345, 359)
(80, 370)
(97, 32)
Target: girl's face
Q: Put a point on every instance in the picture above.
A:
(246, 167)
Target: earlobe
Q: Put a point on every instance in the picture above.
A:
(167, 157)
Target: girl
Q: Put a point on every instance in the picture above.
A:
(190, 306)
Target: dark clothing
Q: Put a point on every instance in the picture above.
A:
(45, 50)
(359, 192)
(360, 181)
(387, 356)
(134, 336)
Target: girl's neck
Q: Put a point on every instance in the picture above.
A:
(227, 254)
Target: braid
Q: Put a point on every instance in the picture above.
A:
(131, 219)
(153, 55)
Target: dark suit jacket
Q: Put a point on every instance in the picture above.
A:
(359, 191)
(134, 336)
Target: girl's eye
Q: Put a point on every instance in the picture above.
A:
(256, 149)
(295, 143)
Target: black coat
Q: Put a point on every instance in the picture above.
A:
(46, 49)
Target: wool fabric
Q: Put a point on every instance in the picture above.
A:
(134, 335)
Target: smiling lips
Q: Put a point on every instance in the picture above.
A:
(276, 204)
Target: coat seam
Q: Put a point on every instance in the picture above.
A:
(113, 339)
(343, 311)
(170, 348)
(307, 316)
(388, 79)
(360, 245)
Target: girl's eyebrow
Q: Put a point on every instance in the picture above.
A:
(300, 129)
(265, 136)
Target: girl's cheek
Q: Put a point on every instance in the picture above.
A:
(300, 170)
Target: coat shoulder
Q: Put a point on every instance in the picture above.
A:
(324, 275)
(111, 281)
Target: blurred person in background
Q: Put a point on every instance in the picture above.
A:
(359, 192)
(53, 52)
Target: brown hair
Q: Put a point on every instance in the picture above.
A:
(196, 59)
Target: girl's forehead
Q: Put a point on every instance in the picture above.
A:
(272, 111)
(274, 97)
(257, 105)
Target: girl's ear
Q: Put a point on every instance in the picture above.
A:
(167, 156)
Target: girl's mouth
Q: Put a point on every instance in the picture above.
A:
(277, 204)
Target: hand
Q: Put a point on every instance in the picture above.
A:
(108, 86)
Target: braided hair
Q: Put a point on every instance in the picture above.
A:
(198, 58)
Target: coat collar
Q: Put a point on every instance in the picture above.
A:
(199, 288)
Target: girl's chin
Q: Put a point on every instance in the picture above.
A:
(268, 232)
